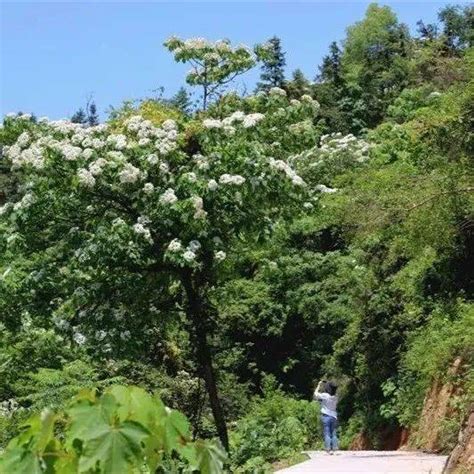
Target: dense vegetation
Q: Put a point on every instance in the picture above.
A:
(227, 256)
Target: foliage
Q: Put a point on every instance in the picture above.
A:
(214, 64)
(275, 428)
(123, 430)
(201, 254)
(273, 61)
(431, 350)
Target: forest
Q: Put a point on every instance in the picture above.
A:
(175, 280)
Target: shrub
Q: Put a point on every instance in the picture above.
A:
(277, 427)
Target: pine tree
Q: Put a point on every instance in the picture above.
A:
(79, 117)
(298, 86)
(273, 67)
(92, 116)
(330, 71)
(182, 101)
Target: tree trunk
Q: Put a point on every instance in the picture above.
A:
(197, 314)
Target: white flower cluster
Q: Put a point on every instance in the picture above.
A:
(129, 174)
(29, 156)
(148, 188)
(77, 141)
(26, 201)
(70, 152)
(234, 179)
(79, 338)
(220, 255)
(277, 91)
(201, 162)
(199, 212)
(86, 178)
(96, 167)
(324, 189)
(189, 253)
(118, 142)
(288, 170)
(212, 185)
(140, 229)
(301, 127)
(165, 136)
(238, 117)
(175, 246)
(335, 143)
(168, 197)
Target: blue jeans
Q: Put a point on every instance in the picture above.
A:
(329, 431)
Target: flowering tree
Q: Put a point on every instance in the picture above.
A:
(213, 64)
(122, 227)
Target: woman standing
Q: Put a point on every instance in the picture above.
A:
(325, 394)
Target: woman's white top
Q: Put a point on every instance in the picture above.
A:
(328, 403)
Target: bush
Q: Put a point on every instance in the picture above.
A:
(277, 427)
(431, 351)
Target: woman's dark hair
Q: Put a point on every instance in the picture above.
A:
(331, 388)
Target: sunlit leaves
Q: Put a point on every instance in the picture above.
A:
(121, 431)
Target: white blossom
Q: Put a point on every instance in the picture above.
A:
(144, 141)
(232, 179)
(119, 142)
(212, 185)
(23, 140)
(324, 189)
(124, 335)
(175, 246)
(212, 123)
(220, 255)
(79, 338)
(277, 91)
(169, 125)
(129, 174)
(87, 153)
(96, 167)
(148, 188)
(152, 159)
(189, 256)
(168, 197)
(86, 178)
(191, 177)
(140, 229)
(252, 119)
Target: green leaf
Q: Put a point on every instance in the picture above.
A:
(136, 404)
(45, 429)
(207, 457)
(20, 461)
(175, 430)
(116, 449)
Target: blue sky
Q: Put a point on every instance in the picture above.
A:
(54, 55)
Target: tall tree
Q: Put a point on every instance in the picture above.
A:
(375, 64)
(182, 101)
(298, 86)
(458, 27)
(92, 116)
(329, 90)
(79, 116)
(154, 222)
(331, 69)
(214, 64)
(273, 64)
